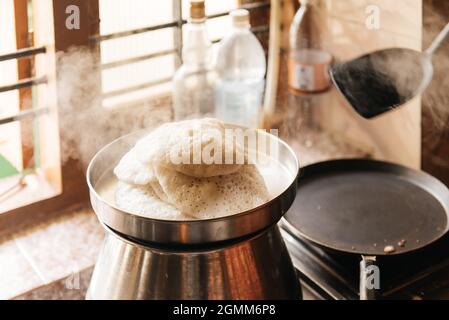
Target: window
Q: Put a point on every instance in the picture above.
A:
(138, 45)
(23, 179)
(10, 153)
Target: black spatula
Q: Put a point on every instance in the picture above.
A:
(386, 79)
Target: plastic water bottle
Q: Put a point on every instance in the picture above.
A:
(241, 67)
(193, 82)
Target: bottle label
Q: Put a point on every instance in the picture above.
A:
(303, 77)
(308, 77)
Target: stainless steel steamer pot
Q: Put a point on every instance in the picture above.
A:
(242, 256)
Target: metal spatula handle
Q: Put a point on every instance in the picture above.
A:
(439, 41)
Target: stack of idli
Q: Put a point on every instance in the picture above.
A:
(188, 170)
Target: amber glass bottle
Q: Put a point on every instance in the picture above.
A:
(308, 58)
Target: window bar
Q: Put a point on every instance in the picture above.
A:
(137, 59)
(14, 188)
(259, 29)
(98, 38)
(249, 7)
(141, 86)
(121, 34)
(22, 53)
(25, 83)
(255, 30)
(177, 33)
(32, 113)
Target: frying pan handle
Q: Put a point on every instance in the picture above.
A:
(368, 282)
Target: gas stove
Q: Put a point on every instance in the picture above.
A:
(422, 275)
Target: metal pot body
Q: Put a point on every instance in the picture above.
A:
(254, 268)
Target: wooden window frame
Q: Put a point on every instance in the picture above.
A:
(50, 31)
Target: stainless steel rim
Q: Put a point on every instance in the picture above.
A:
(191, 231)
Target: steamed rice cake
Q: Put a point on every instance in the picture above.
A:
(153, 186)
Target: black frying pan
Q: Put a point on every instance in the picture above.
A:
(367, 207)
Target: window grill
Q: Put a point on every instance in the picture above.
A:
(23, 83)
(177, 23)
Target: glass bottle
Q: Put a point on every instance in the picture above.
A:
(193, 81)
(308, 59)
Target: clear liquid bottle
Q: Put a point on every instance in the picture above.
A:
(193, 82)
(240, 68)
(308, 59)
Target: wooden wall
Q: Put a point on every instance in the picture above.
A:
(395, 136)
(435, 145)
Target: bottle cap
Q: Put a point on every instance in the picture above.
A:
(197, 10)
(240, 18)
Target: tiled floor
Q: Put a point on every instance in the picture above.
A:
(48, 252)
(73, 287)
(16, 273)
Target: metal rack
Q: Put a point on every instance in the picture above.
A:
(177, 23)
(23, 83)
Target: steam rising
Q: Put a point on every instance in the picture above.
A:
(85, 125)
(382, 80)
(436, 97)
